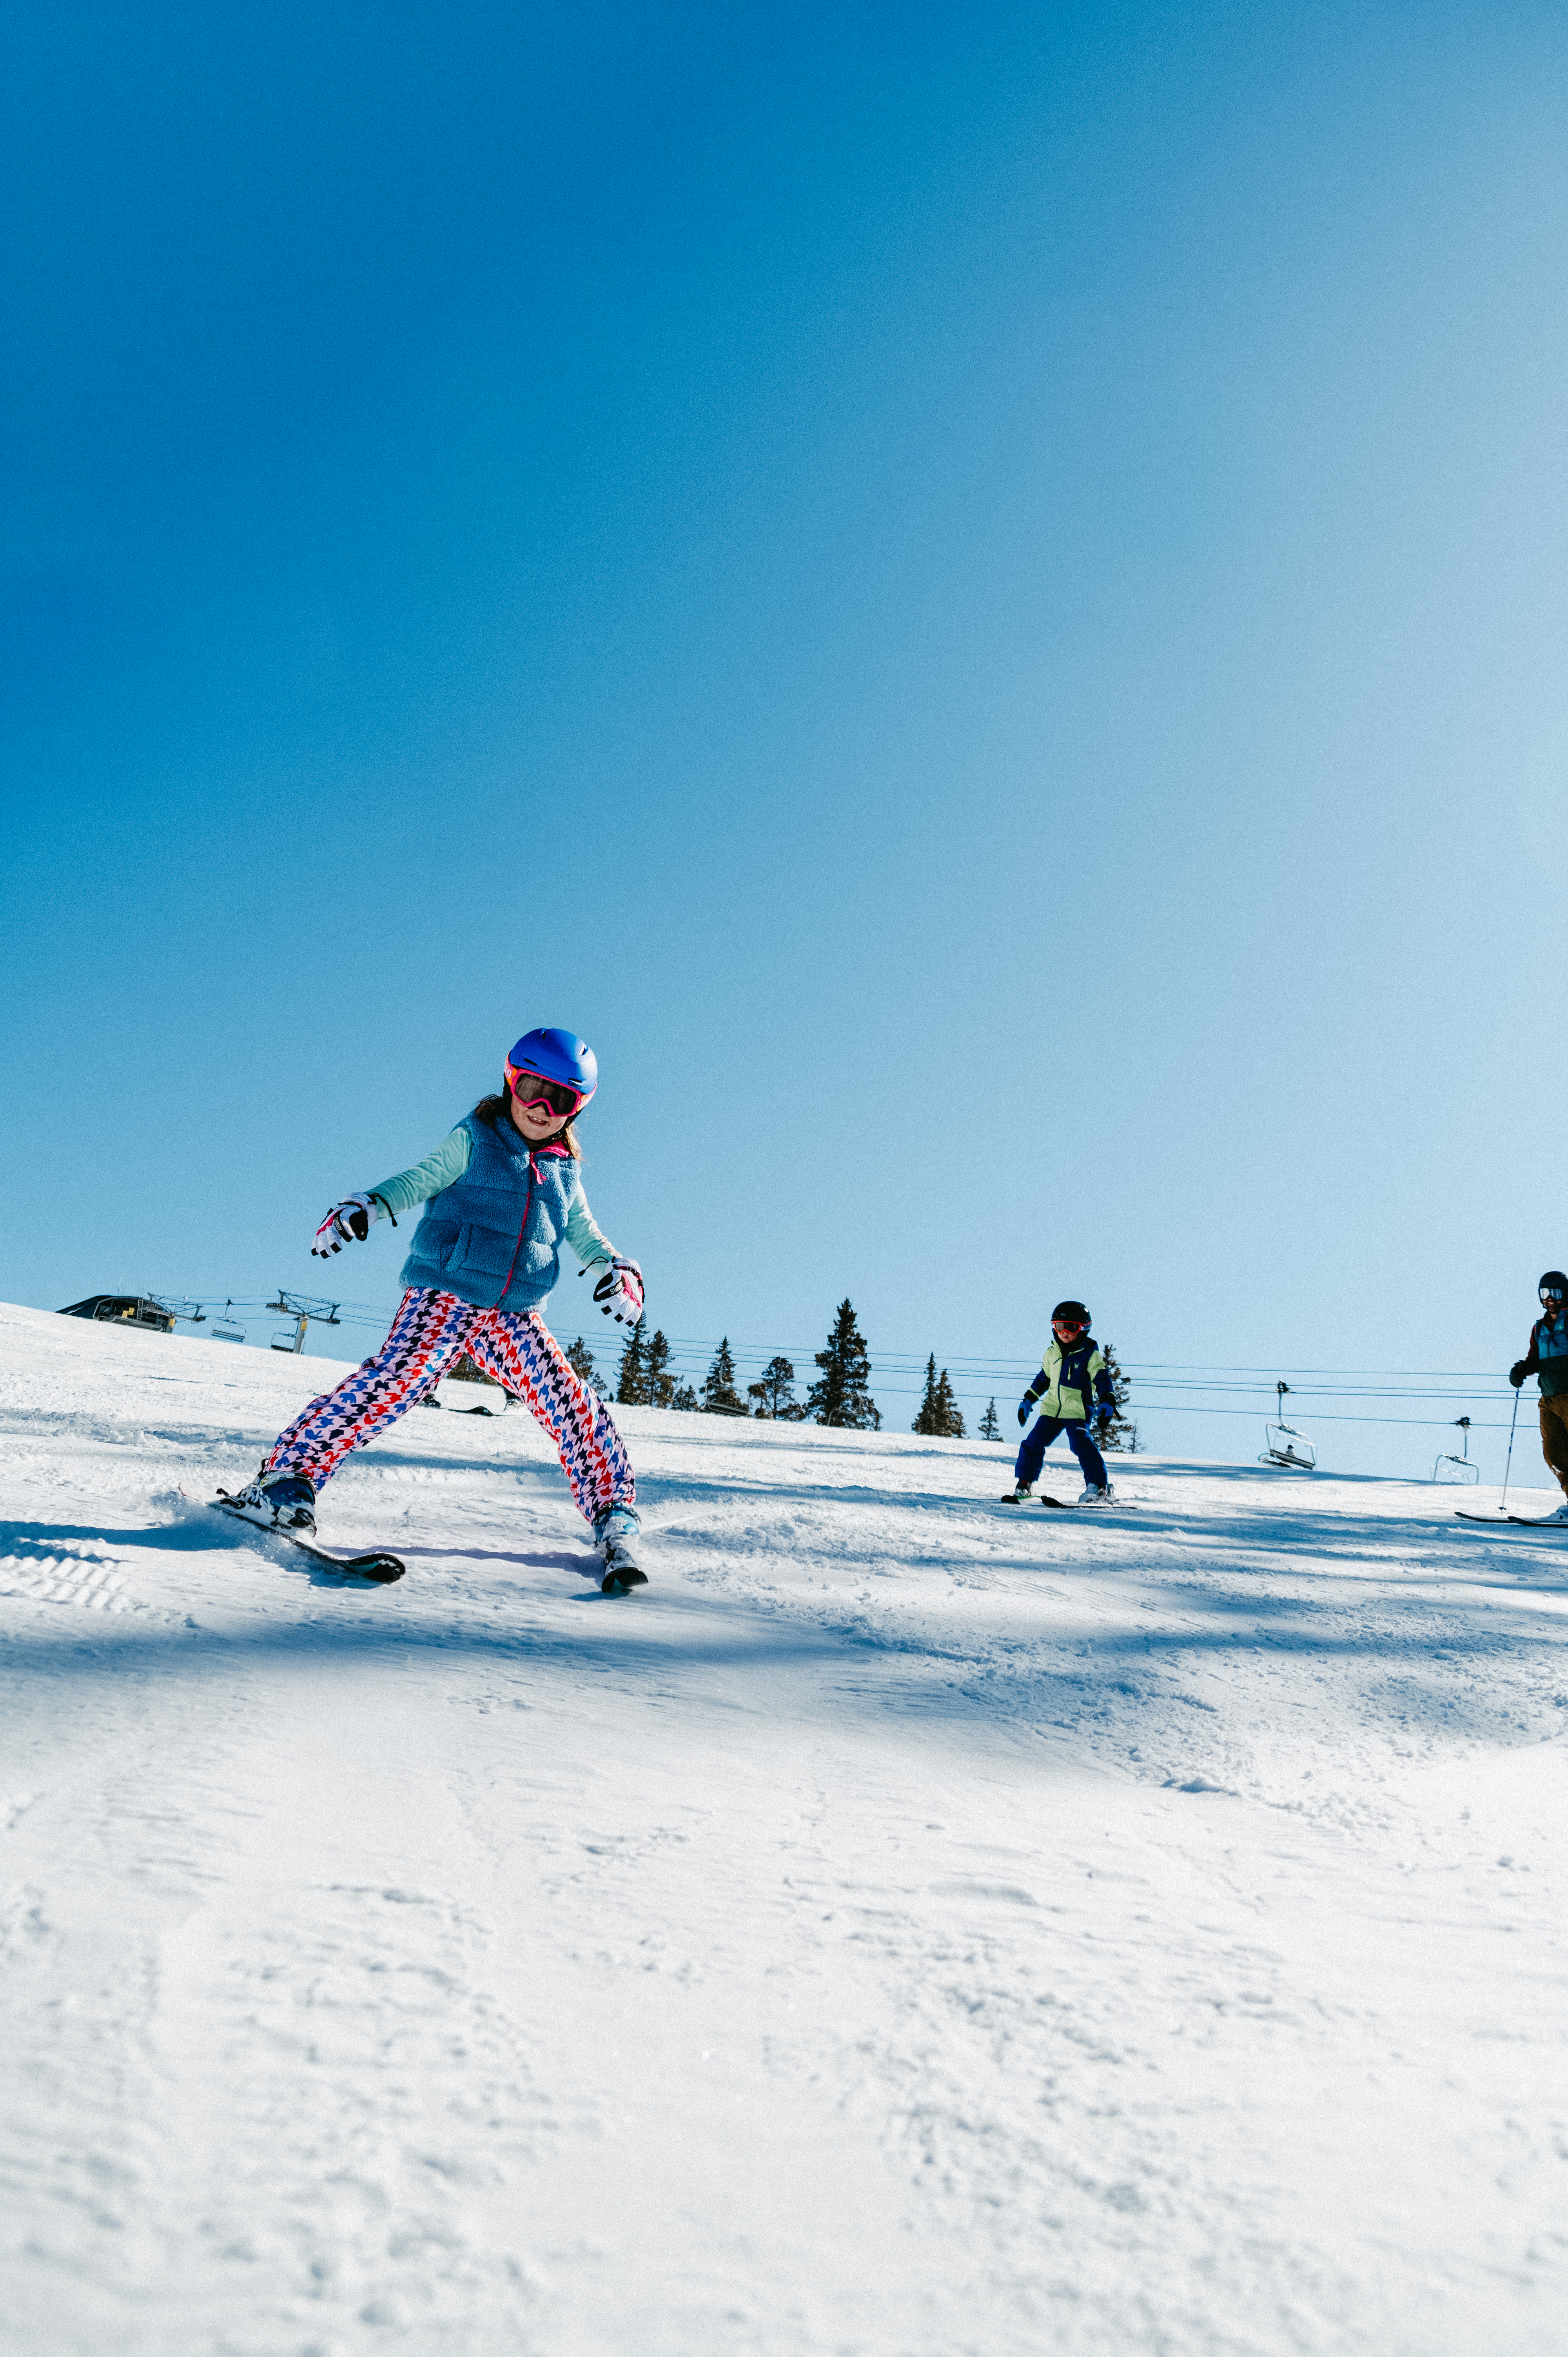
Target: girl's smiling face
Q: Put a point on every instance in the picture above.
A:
(536, 1121)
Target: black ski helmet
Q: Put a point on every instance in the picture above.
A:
(1070, 1309)
(1556, 1280)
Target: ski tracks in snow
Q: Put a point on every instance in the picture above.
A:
(49, 1577)
(911, 1930)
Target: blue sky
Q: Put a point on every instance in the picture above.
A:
(977, 596)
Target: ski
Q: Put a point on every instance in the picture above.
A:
(621, 1574)
(1519, 1522)
(378, 1567)
(1070, 1505)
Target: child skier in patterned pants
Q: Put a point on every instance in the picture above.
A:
(432, 1330)
(502, 1194)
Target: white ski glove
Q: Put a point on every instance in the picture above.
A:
(347, 1223)
(620, 1291)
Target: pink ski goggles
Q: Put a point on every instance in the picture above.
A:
(532, 1089)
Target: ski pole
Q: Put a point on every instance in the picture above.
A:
(1508, 1466)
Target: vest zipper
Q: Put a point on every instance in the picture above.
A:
(527, 1206)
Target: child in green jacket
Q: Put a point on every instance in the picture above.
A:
(1074, 1381)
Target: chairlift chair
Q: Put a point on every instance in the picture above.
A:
(1458, 1469)
(1284, 1444)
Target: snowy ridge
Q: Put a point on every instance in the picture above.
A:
(912, 1928)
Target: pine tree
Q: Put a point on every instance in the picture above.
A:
(661, 1385)
(686, 1399)
(631, 1390)
(1124, 1432)
(580, 1359)
(839, 1396)
(939, 1413)
(720, 1396)
(951, 1422)
(775, 1394)
(990, 1429)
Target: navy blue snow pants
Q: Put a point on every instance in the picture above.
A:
(1038, 1439)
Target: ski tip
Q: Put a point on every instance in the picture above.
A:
(378, 1567)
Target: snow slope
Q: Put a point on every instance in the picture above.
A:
(910, 1928)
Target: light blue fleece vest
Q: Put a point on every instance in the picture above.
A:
(493, 1237)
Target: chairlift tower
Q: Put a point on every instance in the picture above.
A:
(302, 1307)
(180, 1306)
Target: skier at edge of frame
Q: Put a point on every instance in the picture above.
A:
(501, 1193)
(1548, 1357)
(1072, 1372)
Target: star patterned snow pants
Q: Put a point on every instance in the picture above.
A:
(432, 1330)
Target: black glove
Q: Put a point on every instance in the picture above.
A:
(1517, 1373)
(1024, 1407)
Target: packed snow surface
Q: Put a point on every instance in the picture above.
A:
(909, 1927)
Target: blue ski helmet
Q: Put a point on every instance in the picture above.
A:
(558, 1056)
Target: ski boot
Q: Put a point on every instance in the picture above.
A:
(613, 1534)
(1022, 1495)
(279, 1502)
(1094, 1496)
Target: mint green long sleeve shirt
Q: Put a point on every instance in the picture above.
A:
(447, 1163)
